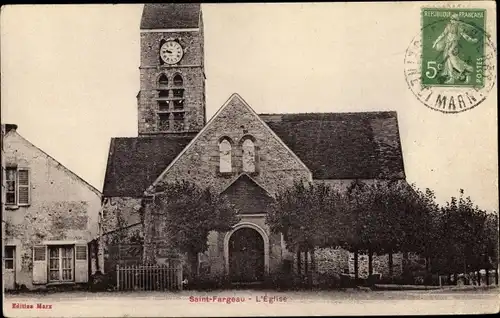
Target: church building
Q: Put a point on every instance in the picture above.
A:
(246, 156)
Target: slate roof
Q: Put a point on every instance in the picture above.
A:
(170, 16)
(364, 145)
(135, 163)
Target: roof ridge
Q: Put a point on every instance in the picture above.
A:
(155, 137)
(335, 113)
(86, 183)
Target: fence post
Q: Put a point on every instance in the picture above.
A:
(117, 276)
(179, 274)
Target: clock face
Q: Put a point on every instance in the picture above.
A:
(171, 52)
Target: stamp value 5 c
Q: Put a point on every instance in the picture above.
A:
(450, 67)
(453, 47)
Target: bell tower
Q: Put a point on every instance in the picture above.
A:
(171, 99)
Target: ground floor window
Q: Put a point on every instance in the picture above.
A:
(10, 257)
(61, 263)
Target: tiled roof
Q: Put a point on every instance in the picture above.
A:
(170, 16)
(364, 145)
(135, 163)
(332, 145)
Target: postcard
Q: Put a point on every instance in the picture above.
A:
(249, 159)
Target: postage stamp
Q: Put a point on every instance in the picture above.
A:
(453, 47)
(450, 66)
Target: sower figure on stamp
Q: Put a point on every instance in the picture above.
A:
(454, 67)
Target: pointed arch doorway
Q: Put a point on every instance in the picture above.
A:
(246, 250)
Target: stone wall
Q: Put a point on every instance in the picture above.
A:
(191, 41)
(112, 249)
(330, 261)
(213, 262)
(380, 264)
(194, 99)
(337, 261)
(277, 167)
(191, 70)
(119, 212)
(121, 223)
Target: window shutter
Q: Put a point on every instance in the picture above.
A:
(11, 186)
(81, 264)
(24, 186)
(40, 265)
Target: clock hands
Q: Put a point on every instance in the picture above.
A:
(171, 52)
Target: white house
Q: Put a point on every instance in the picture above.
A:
(50, 216)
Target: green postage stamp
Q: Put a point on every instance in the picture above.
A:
(450, 65)
(453, 47)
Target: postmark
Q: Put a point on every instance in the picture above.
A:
(450, 66)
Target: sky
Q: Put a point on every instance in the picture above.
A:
(70, 76)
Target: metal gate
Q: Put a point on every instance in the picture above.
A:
(149, 277)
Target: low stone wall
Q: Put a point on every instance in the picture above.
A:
(331, 261)
(338, 260)
(328, 261)
(380, 264)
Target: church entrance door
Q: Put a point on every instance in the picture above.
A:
(246, 256)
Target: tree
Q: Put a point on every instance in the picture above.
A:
(376, 209)
(309, 215)
(187, 213)
(419, 220)
(492, 238)
(390, 216)
(467, 236)
(492, 243)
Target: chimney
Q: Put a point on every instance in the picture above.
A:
(9, 127)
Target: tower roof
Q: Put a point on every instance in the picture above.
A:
(170, 15)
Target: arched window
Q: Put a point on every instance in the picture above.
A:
(162, 88)
(225, 156)
(178, 92)
(163, 81)
(248, 148)
(178, 81)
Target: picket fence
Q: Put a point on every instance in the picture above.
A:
(149, 277)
